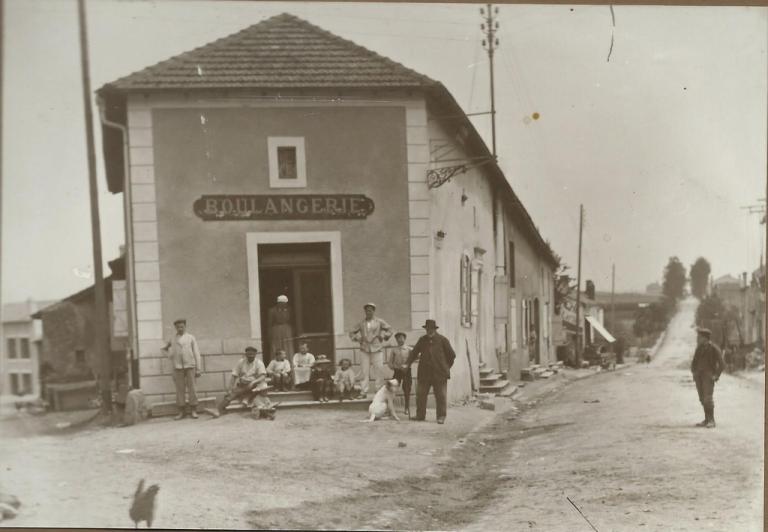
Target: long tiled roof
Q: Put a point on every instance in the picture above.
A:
(281, 52)
(286, 52)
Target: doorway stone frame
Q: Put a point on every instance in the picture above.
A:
(333, 238)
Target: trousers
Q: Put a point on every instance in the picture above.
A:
(184, 380)
(440, 387)
(239, 391)
(705, 386)
(366, 361)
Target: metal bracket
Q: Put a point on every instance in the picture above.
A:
(438, 176)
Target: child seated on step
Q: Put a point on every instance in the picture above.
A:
(345, 381)
(320, 379)
(279, 372)
(302, 365)
(263, 407)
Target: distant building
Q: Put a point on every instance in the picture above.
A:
(20, 351)
(654, 289)
(68, 351)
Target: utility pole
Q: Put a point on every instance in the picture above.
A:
(490, 43)
(100, 311)
(613, 291)
(578, 291)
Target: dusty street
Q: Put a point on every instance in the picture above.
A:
(633, 460)
(621, 445)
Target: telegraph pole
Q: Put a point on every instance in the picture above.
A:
(100, 311)
(490, 43)
(613, 290)
(578, 291)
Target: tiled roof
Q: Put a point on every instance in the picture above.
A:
(17, 312)
(281, 52)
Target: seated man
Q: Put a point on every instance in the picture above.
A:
(279, 372)
(248, 372)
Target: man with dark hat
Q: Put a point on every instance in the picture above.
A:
(187, 366)
(371, 332)
(435, 364)
(246, 376)
(707, 365)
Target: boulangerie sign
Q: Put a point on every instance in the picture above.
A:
(283, 207)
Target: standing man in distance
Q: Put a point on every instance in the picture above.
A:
(371, 332)
(707, 365)
(437, 358)
(187, 366)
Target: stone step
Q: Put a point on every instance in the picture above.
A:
(291, 397)
(509, 391)
(495, 387)
(490, 379)
(486, 371)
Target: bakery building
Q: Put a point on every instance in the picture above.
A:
(284, 160)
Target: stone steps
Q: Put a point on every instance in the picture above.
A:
(496, 387)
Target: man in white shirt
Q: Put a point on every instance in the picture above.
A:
(371, 333)
(246, 375)
(187, 366)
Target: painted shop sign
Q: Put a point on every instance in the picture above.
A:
(283, 207)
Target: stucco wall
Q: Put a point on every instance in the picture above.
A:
(467, 225)
(533, 279)
(199, 269)
(29, 365)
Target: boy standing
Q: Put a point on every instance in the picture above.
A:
(187, 365)
(398, 356)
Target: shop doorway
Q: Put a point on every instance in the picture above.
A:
(302, 272)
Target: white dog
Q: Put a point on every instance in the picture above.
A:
(383, 402)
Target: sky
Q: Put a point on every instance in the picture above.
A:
(663, 144)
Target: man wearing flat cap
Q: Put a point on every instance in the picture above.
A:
(707, 365)
(435, 364)
(187, 366)
(371, 333)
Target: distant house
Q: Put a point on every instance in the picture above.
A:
(68, 343)
(593, 329)
(654, 289)
(625, 308)
(20, 351)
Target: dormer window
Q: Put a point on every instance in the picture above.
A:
(287, 162)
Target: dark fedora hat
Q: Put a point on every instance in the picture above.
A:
(430, 323)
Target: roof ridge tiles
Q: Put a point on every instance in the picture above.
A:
(264, 47)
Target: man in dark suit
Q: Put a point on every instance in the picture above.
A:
(707, 365)
(437, 357)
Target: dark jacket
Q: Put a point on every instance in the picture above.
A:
(708, 359)
(437, 357)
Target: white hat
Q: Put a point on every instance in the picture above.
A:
(282, 299)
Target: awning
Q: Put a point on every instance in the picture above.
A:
(599, 328)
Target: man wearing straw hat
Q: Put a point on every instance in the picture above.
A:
(371, 332)
(435, 364)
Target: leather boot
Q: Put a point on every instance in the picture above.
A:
(711, 417)
(706, 418)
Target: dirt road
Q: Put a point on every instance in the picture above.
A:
(633, 460)
(621, 445)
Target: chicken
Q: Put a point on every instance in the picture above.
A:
(143, 507)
